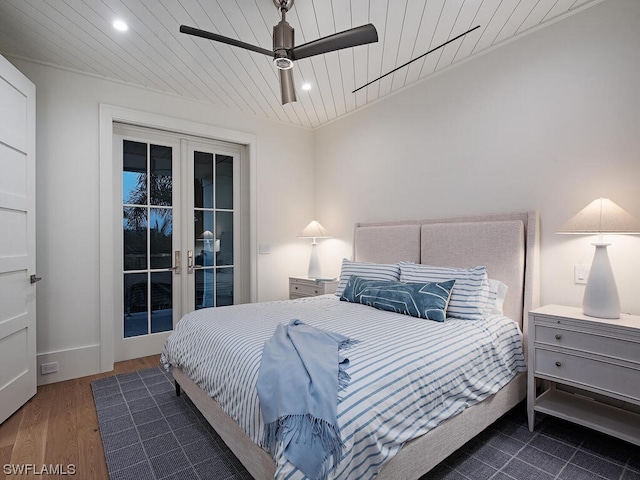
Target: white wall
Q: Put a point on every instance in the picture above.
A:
(549, 123)
(68, 203)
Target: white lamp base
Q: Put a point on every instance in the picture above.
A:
(314, 262)
(601, 295)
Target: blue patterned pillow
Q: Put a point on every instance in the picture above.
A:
(421, 300)
(470, 296)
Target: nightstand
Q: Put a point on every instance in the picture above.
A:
(309, 287)
(594, 355)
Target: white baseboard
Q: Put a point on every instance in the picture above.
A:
(72, 363)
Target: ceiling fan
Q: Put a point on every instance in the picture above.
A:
(284, 52)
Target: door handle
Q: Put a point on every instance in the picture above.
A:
(176, 265)
(33, 279)
(190, 261)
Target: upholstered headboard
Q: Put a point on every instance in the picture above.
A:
(507, 244)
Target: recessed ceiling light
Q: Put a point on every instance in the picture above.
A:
(306, 86)
(120, 26)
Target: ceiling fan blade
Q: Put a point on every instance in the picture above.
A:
(349, 38)
(287, 90)
(417, 58)
(219, 38)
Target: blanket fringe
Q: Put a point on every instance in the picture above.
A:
(348, 343)
(296, 428)
(343, 377)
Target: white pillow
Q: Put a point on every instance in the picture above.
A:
(497, 294)
(470, 294)
(370, 271)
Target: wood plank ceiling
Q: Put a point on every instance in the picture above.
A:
(78, 35)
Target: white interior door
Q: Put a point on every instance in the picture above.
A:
(17, 240)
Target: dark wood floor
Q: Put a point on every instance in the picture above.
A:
(59, 426)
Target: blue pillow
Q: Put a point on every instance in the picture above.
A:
(421, 300)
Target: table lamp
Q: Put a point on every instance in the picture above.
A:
(314, 230)
(601, 216)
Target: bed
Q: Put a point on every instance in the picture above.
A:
(507, 244)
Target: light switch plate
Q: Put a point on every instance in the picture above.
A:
(581, 273)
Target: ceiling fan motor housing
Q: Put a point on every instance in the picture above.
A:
(282, 45)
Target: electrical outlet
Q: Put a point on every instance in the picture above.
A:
(581, 273)
(46, 368)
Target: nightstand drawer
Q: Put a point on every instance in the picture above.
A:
(305, 290)
(595, 374)
(308, 287)
(589, 342)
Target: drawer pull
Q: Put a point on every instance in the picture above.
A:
(558, 336)
(558, 364)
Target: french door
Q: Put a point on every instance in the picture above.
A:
(180, 234)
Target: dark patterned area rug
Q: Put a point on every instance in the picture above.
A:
(149, 433)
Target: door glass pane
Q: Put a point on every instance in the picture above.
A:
(203, 180)
(134, 173)
(161, 302)
(224, 232)
(224, 286)
(160, 181)
(134, 226)
(205, 242)
(160, 233)
(204, 278)
(135, 304)
(224, 181)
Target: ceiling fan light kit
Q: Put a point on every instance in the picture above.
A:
(283, 63)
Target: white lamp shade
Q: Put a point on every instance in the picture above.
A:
(313, 230)
(601, 216)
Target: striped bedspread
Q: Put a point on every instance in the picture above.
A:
(407, 374)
